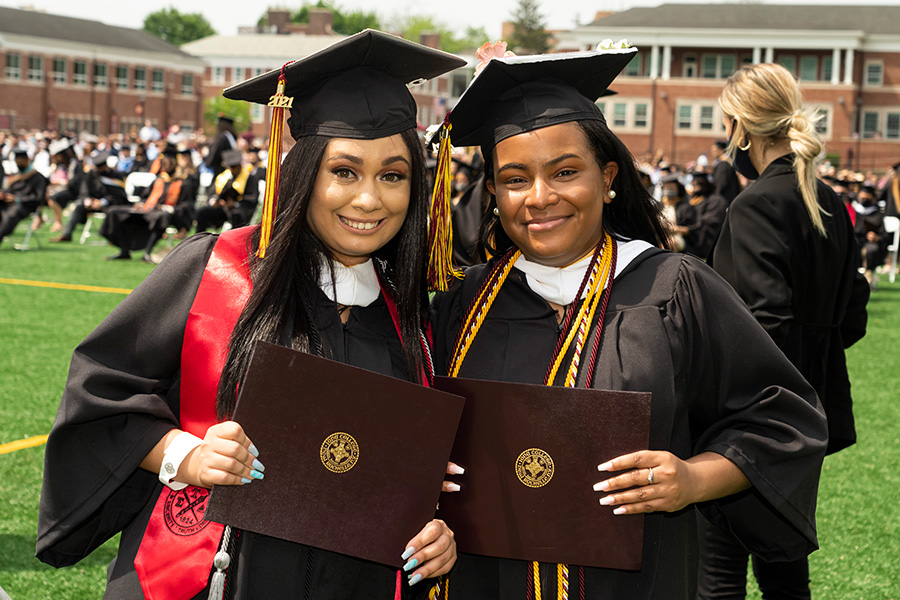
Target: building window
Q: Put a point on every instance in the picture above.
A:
(187, 84)
(892, 126)
(875, 73)
(640, 115)
(218, 75)
(79, 77)
(822, 123)
(122, 77)
(35, 68)
(60, 72)
(685, 116)
(13, 69)
(717, 66)
(140, 78)
(689, 66)
(870, 125)
(789, 63)
(827, 68)
(258, 71)
(100, 78)
(238, 74)
(158, 82)
(809, 68)
(634, 67)
(619, 114)
(257, 113)
(706, 118)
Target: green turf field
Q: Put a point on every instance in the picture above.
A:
(859, 515)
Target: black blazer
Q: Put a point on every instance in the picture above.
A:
(804, 289)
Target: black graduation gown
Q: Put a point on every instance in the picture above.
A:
(726, 181)
(465, 216)
(123, 395)
(130, 229)
(709, 216)
(804, 289)
(676, 329)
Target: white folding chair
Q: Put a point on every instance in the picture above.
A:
(892, 225)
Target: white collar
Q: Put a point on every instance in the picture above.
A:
(353, 286)
(560, 284)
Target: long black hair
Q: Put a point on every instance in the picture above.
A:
(633, 214)
(279, 308)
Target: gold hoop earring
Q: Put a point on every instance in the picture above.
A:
(744, 148)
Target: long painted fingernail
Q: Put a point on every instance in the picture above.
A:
(619, 511)
(599, 487)
(256, 474)
(411, 565)
(253, 450)
(607, 500)
(605, 466)
(452, 487)
(455, 470)
(408, 552)
(415, 579)
(258, 466)
(245, 480)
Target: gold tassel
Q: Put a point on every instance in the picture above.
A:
(440, 234)
(278, 102)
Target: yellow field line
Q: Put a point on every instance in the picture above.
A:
(66, 286)
(22, 444)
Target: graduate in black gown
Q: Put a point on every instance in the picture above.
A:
(143, 427)
(736, 433)
(25, 191)
(709, 209)
(787, 248)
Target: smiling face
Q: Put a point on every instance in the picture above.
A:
(550, 193)
(361, 196)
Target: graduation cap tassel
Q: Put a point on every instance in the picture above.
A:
(278, 102)
(221, 562)
(440, 234)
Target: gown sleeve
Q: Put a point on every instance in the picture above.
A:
(749, 404)
(121, 398)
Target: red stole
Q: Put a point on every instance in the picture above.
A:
(177, 550)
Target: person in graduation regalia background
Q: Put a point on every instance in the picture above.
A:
(787, 248)
(25, 191)
(337, 270)
(736, 433)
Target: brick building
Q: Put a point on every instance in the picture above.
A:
(253, 51)
(78, 75)
(846, 57)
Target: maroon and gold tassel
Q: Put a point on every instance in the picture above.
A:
(278, 102)
(440, 234)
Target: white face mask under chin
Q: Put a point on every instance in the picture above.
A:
(353, 286)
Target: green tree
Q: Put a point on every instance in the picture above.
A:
(413, 26)
(529, 36)
(237, 110)
(344, 23)
(177, 28)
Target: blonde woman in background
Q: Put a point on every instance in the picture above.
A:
(787, 247)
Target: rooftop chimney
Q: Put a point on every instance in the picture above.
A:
(320, 22)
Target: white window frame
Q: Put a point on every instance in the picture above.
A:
(237, 74)
(827, 123)
(36, 74)
(689, 66)
(13, 71)
(217, 75)
(140, 83)
(257, 113)
(826, 73)
(80, 78)
(815, 69)
(61, 77)
(876, 132)
(696, 106)
(873, 63)
(121, 82)
(887, 116)
(784, 57)
(187, 84)
(882, 114)
(635, 60)
(101, 80)
(157, 86)
(718, 71)
(608, 107)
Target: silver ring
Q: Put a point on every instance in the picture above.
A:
(650, 476)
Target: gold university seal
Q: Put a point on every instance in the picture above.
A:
(339, 452)
(534, 468)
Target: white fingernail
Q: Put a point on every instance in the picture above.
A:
(455, 470)
(599, 487)
(607, 500)
(451, 487)
(605, 466)
(619, 511)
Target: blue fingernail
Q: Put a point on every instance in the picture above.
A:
(245, 480)
(256, 474)
(411, 565)
(415, 579)
(258, 465)
(253, 450)
(409, 552)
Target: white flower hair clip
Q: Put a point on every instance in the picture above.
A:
(608, 44)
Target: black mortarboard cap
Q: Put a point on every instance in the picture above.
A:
(355, 88)
(232, 158)
(171, 150)
(100, 158)
(223, 118)
(20, 152)
(516, 94)
(896, 166)
(869, 189)
(721, 144)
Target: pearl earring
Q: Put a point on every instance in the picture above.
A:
(496, 211)
(612, 194)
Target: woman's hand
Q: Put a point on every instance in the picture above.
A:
(662, 482)
(431, 553)
(452, 469)
(225, 457)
